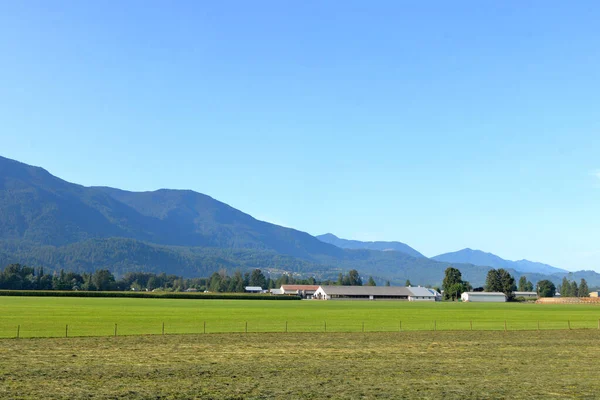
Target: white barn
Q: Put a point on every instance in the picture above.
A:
(483, 297)
(376, 293)
(423, 294)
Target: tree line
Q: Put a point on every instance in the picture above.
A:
(500, 280)
(21, 277)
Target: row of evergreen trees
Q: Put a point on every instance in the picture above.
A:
(21, 277)
(571, 289)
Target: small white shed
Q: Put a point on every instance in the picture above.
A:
(483, 297)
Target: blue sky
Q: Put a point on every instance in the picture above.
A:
(440, 124)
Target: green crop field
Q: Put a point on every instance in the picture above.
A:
(557, 364)
(49, 316)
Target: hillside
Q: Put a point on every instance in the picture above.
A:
(380, 246)
(479, 257)
(40, 208)
(46, 221)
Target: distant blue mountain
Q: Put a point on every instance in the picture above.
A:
(380, 246)
(478, 257)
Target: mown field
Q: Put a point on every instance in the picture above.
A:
(49, 316)
(556, 364)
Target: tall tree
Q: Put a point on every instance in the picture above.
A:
(501, 280)
(387, 283)
(523, 284)
(565, 288)
(354, 278)
(574, 289)
(258, 279)
(103, 280)
(452, 283)
(492, 281)
(407, 283)
(371, 282)
(508, 284)
(546, 288)
(584, 291)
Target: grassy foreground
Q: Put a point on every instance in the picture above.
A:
(48, 316)
(547, 364)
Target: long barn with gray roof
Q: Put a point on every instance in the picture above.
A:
(376, 293)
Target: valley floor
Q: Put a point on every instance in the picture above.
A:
(548, 364)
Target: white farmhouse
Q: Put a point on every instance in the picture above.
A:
(483, 297)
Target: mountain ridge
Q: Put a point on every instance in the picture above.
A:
(479, 257)
(374, 245)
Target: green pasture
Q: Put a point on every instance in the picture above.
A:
(49, 316)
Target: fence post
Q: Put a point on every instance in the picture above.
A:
(204, 326)
(538, 325)
(363, 326)
(115, 330)
(471, 324)
(400, 328)
(505, 326)
(246, 327)
(163, 329)
(434, 325)
(325, 325)
(18, 330)
(286, 326)
(569, 322)
(67, 330)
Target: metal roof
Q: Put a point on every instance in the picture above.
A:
(253, 288)
(525, 293)
(299, 287)
(422, 291)
(367, 290)
(485, 293)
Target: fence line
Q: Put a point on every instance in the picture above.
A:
(248, 326)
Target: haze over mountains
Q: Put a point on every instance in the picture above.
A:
(46, 221)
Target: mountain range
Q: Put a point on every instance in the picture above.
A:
(46, 221)
(479, 257)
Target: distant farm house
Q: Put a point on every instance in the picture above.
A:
(376, 293)
(483, 297)
(253, 289)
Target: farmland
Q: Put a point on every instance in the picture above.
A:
(419, 364)
(60, 316)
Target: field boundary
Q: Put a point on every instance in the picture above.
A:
(21, 331)
(146, 295)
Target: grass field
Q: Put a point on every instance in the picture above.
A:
(424, 365)
(48, 316)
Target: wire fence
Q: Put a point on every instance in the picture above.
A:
(29, 330)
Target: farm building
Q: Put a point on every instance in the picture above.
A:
(595, 294)
(483, 297)
(527, 295)
(423, 294)
(253, 289)
(375, 293)
(304, 291)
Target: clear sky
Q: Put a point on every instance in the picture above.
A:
(441, 124)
